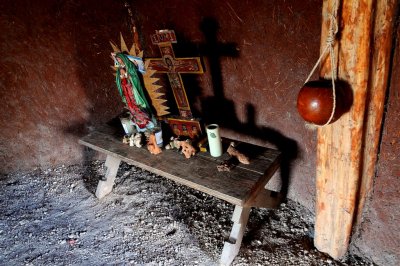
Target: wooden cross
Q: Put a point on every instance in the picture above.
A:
(174, 67)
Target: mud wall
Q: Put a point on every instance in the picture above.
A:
(256, 57)
(57, 84)
(55, 78)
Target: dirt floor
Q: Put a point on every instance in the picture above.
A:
(51, 217)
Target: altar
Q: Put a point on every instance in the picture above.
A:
(243, 186)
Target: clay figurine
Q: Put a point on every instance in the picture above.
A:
(176, 143)
(131, 139)
(202, 144)
(125, 139)
(225, 166)
(232, 151)
(152, 144)
(187, 149)
(171, 144)
(136, 140)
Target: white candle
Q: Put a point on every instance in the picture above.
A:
(214, 140)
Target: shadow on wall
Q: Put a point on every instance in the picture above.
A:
(95, 26)
(217, 109)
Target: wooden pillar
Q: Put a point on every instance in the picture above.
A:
(385, 16)
(339, 150)
(347, 149)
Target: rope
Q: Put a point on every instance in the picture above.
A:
(330, 42)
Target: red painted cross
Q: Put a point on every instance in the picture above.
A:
(174, 67)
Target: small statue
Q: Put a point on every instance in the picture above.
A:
(171, 144)
(136, 140)
(187, 149)
(225, 166)
(125, 139)
(202, 144)
(132, 92)
(152, 144)
(232, 151)
(176, 143)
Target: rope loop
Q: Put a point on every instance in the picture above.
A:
(330, 43)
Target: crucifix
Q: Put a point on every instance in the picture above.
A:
(174, 67)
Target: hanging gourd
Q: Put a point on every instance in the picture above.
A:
(319, 102)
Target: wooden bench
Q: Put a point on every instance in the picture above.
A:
(243, 186)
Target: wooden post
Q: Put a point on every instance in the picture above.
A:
(339, 150)
(347, 150)
(385, 16)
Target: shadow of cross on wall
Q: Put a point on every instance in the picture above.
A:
(174, 67)
(218, 109)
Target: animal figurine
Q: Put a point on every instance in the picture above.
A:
(136, 140)
(171, 144)
(125, 139)
(152, 144)
(232, 151)
(187, 149)
(225, 166)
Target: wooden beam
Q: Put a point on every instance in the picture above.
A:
(339, 150)
(385, 19)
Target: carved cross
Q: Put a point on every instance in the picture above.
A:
(174, 67)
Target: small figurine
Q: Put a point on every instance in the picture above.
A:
(125, 139)
(170, 145)
(137, 140)
(152, 144)
(202, 144)
(176, 143)
(232, 151)
(187, 149)
(132, 92)
(225, 166)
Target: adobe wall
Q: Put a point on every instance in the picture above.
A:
(57, 81)
(55, 78)
(56, 85)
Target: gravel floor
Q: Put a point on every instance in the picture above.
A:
(51, 217)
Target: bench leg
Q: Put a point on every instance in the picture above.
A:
(105, 187)
(231, 247)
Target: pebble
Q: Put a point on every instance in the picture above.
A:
(201, 222)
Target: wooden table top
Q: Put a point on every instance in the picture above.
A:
(200, 172)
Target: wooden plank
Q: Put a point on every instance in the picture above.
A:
(259, 156)
(339, 153)
(198, 172)
(385, 16)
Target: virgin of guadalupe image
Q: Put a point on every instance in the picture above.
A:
(132, 92)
